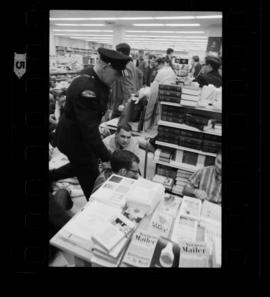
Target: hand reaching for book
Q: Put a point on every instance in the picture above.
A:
(200, 194)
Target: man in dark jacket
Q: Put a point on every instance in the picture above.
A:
(77, 134)
(210, 73)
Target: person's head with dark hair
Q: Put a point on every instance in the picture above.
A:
(123, 135)
(212, 63)
(218, 162)
(125, 163)
(152, 60)
(123, 48)
(169, 52)
(196, 59)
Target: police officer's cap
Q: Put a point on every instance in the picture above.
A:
(116, 59)
(213, 61)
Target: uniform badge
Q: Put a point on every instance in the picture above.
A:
(88, 94)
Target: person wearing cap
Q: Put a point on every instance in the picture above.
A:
(77, 133)
(209, 73)
(124, 86)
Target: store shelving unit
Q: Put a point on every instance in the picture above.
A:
(199, 157)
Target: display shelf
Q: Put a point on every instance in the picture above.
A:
(190, 128)
(182, 166)
(191, 107)
(177, 147)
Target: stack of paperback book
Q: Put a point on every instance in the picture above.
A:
(172, 114)
(167, 182)
(168, 134)
(198, 121)
(169, 93)
(166, 171)
(181, 180)
(165, 155)
(190, 96)
(211, 143)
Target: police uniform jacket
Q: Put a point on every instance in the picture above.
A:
(78, 133)
(212, 77)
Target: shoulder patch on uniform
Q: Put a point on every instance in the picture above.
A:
(88, 94)
(85, 75)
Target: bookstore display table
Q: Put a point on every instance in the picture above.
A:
(172, 220)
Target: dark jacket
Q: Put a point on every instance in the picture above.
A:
(77, 133)
(212, 77)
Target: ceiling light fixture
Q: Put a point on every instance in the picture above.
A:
(167, 25)
(180, 32)
(82, 25)
(75, 30)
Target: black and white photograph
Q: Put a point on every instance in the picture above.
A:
(137, 94)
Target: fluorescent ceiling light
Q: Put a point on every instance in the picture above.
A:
(82, 19)
(83, 25)
(175, 18)
(172, 36)
(166, 25)
(81, 31)
(87, 35)
(209, 17)
(180, 32)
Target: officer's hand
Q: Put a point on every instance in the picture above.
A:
(200, 194)
(121, 107)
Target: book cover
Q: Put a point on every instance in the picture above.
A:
(141, 249)
(185, 228)
(190, 207)
(211, 211)
(194, 254)
(166, 254)
(169, 205)
(160, 224)
(190, 103)
(189, 97)
(166, 181)
(169, 93)
(172, 87)
(114, 253)
(109, 233)
(189, 90)
(145, 195)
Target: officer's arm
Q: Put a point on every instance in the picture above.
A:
(201, 80)
(86, 110)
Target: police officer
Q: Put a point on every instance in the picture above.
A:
(210, 73)
(77, 134)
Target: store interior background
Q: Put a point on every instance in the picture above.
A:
(152, 31)
(80, 33)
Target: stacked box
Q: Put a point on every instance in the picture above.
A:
(172, 114)
(168, 134)
(181, 180)
(166, 171)
(197, 121)
(211, 143)
(169, 93)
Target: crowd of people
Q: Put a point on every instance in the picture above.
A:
(103, 92)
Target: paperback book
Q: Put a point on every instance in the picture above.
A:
(166, 254)
(169, 205)
(194, 254)
(160, 224)
(141, 249)
(190, 207)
